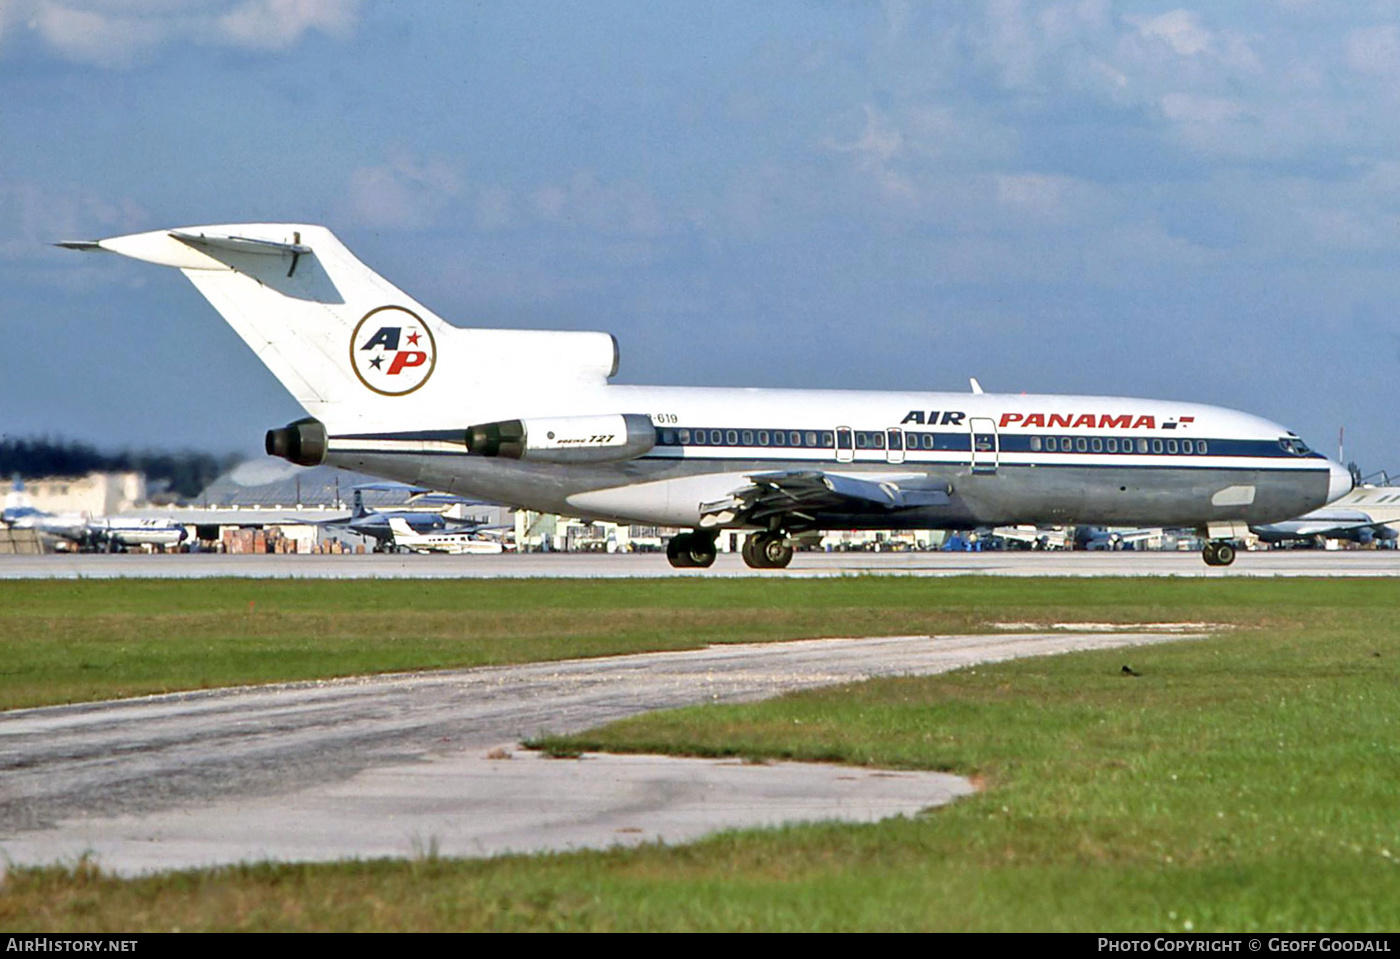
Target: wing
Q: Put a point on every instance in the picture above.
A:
(802, 494)
(1342, 530)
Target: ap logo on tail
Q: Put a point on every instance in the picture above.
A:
(392, 351)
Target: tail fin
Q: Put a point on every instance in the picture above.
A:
(356, 352)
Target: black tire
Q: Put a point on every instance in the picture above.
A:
(753, 556)
(772, 550)
(701, 550)
(678, 551)
(1224, 554)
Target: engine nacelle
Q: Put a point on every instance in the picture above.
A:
(565, 439)
(302, 442)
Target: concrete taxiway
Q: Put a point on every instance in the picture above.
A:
(412, 764)
(1347, 563)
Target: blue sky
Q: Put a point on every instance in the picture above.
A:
(1144, 199)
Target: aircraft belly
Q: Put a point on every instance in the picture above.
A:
(1156, 497)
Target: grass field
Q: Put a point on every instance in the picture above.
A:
(1247, 782)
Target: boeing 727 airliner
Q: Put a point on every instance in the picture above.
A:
(393, 390)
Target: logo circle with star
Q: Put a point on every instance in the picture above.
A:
(380, 367)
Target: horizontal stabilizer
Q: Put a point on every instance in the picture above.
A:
(240, 244)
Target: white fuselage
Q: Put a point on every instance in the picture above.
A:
(1006, 458)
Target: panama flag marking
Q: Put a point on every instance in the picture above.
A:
(392, 351)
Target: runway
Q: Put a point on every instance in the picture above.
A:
(412, 764)
(1325, 563)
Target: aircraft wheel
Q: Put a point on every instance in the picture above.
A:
(751, 552)
(768, 551)
(691, 550)
(678, 551)
(701, 549)
(1218, 554)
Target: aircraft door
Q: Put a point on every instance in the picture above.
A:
(986, 446)
(845, 444)
(894, 445)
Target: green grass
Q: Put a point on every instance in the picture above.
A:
(79, 641)
(1245, 782)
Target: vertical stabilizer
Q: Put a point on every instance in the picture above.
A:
(356, 352)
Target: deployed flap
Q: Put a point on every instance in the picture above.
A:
(803, 493)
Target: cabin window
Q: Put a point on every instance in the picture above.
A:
(828, 439)
(732, 437)
(748, 437)
(1201, 447)
(1171, 446)
(928, 441)
(1081, 445)
(811, 438)
(762, 437)
(1112, 444)
(1096, 444)
(1142, 445)
(1156, 446)
(699, 437)
(1052, 445)
(668, 438)
(794, 438)
(1066, 444)
(1035, 444)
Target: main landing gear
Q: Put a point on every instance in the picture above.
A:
(691, 550)
(770, 550)
(1218, 553)
(766, 550)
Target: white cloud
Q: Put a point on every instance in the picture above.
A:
(114, 34)
(877, 141)
(94, 36)
(605, 208)
(33, 216)
(1031, 191)
(403, 193)
(1189, 108)
(1375, 50)
(874, 148)
(1179, 29)
(277, 24)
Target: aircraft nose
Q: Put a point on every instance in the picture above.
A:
(1339, 482)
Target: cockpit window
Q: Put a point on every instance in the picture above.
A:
(1291, 444)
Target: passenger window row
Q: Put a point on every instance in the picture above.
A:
(1114, 444)
(797, 439)
(788, 439)
(876, 440)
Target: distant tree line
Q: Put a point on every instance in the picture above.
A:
(182, 474)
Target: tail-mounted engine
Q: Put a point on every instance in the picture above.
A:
(302, 442)
(565, 439)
